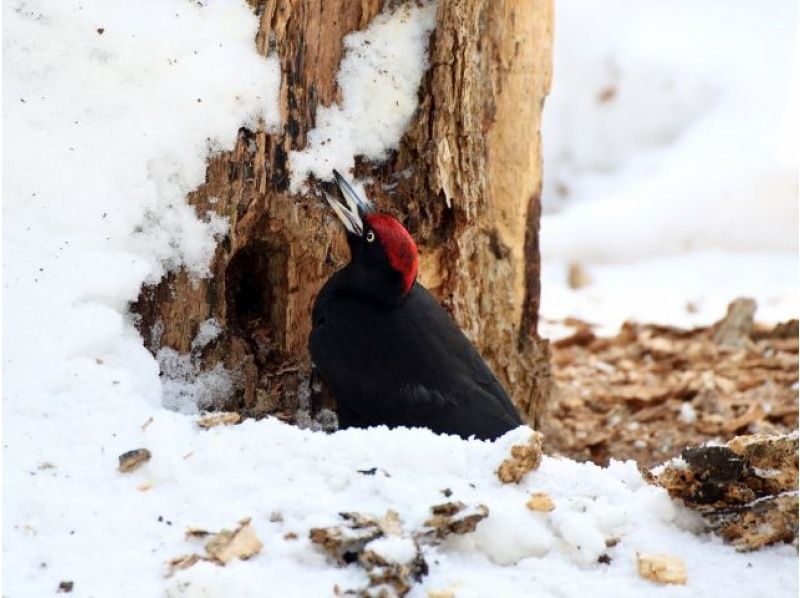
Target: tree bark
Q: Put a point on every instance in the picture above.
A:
(465, 181)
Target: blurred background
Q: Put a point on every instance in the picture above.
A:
(670, 162)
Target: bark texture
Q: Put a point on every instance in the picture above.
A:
(465, 181)
(746, 491)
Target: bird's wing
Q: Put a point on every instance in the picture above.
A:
(463, 411)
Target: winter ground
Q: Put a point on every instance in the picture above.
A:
(670, 153)
(108, 118)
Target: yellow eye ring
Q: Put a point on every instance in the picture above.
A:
(370, 237)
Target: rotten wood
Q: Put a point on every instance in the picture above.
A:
(746, 491)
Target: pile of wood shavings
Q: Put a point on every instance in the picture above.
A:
(650, 391)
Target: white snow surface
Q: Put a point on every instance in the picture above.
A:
(670, 159)
(378, 79)
(104, 137)
(394, 548)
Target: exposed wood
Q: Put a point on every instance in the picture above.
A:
(465, 181)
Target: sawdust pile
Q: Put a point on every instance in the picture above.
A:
(651, 391)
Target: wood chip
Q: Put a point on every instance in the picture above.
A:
(441, 594)
(144, 487)
(578, 277)
(226, 418)
(66, 587)
(223, 547)
(132, 460)
(181, 562)
(242, 543)
(390, 524)
(524, 458)
(196, 532)
(541, 502)
(453, 518)
(662, 568)
(735, 328)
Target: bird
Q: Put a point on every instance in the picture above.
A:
(389, 353)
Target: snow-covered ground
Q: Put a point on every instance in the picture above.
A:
(109, 115)
(670, 154)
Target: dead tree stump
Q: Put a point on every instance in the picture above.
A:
(468, 193)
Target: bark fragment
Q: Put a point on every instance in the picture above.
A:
(747, 490)
(225, 418)
(662, 568)
(524, 458)
(734, 330)
(133, 460)
(541, 502)
(453, 518)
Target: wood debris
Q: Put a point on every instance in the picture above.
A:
(346, 541)
(746, 491)
(182, 562)
(223, 547)
(662, 568)
(242, 543)
(66, 587)
(541, 502)
(578, 277)
(133, 460)
(196, 532)
(453, 518)
(349, 543)
(441, 594)
(225, 418)
(735, 328)
(524, 458)
(650, 391)
(391, 578)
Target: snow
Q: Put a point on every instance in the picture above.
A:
(394, 549)
(187, 388)
(99, 156)
(378, 78)
(208, 331)
(689, 289)
(670, 157)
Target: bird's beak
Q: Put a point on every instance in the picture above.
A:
(352, 212)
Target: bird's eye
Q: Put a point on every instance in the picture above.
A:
(370, 237)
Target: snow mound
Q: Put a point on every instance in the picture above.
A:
(113, 110)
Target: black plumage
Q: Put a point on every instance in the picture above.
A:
(388, 351)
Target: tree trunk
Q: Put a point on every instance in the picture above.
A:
(469, 195)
